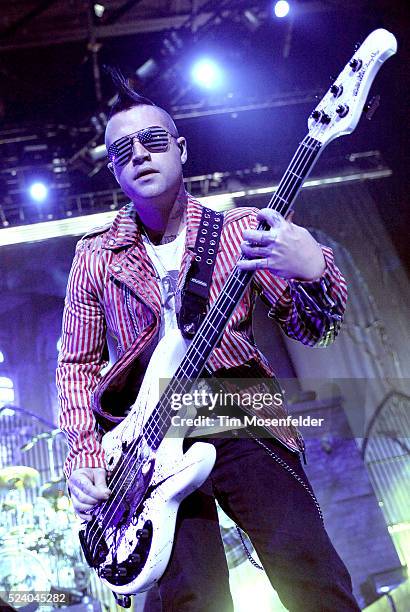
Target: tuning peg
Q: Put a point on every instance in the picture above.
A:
(342, 110)
(355, 64)
(371, 107)
(336, 90)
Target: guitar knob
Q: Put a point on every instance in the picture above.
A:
(316, 115)
(355, 64)
(107, 571)
(325, 118)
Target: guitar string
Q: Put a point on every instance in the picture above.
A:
(276, 196)
(209, 323)
(311, 153)
(228, 296)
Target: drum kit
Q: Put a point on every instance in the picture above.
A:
(38, 545)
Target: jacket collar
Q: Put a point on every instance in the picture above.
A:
(126, 230)
(194, 212)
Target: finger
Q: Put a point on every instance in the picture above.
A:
(290, 216)
(84, 517)
(253, 264)
(83, 485)
(251, 250)
(261, 237)
(83, 498)
(100, 481)
(272, 217)
(83, 507)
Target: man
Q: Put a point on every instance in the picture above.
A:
(117, 286)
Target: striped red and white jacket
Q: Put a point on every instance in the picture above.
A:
(112, 289)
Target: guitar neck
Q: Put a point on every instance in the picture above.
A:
(296, 173)
(218, 316)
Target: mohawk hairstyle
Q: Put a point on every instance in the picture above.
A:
(127, 97)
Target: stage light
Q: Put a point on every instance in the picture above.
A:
(251, 20)
(38, 192)
(6, 391)
(281, 8)
(99, 10)
(148, 70)
(1, 357)
(207, 73)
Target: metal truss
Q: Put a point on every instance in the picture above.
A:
(219, 190)
(51, 22)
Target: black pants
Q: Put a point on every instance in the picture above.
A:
(282, 521)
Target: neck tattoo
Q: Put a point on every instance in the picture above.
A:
(176, 221)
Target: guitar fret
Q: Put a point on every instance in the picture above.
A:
(190, 361)
(213, 326)
(229, 297)
(306, 146)
(203, 339)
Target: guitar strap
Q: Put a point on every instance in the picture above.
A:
(196, 292)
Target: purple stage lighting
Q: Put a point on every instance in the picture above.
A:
(281, 8)
(38, 192)
(207, 73)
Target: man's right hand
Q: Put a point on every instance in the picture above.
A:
(88, 487)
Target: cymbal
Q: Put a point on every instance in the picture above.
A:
(8, 505)
(54, 488)
(19, 477)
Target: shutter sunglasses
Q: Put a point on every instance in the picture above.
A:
(155, 139)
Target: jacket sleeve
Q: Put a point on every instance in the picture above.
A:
(80, 361)
(308, 311)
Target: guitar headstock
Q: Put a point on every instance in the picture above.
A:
(340, 109)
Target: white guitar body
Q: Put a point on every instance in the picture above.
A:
(179, 473)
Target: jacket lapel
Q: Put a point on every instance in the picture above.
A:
(131, 264)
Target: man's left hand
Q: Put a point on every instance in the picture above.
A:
(286, 249)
